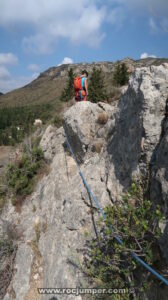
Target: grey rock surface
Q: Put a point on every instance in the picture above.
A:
(50, 141)
(140, 114)
(110, 155)
(81, 125)
(23, 265)
(159, 182)
(63, 207)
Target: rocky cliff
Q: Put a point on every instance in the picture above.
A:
(112, 144)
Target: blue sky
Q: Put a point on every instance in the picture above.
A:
(38, 34)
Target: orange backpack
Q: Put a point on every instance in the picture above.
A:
(77, 84)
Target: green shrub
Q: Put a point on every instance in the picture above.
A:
(121, 75)
(68, 91)
(36, 141)
(21, 176)
(7, 245)
(3, 192)
(96, 87)
(37, 154)
(16, 122)
(135, 221)
(57, 121)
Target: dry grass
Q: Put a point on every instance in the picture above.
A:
(7, 258)
(49, 86)
(3, 191)
(36, 277)
(102, 118)
(6, 156)
(39, 92)
(97, 147)
(36, 270)
(2, 203)
(114, 94)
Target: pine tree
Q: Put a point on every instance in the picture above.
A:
(124, 74)
(96, 87)
(121, 75)
(68, 91)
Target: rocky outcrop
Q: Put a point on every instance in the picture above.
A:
(107, 141)
(61, 207)
(140, 113)
(51, 141)
(106, 66)
(83, 125)
(50, 84)
(159, 181)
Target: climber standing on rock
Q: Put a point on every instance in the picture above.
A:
(80, 86)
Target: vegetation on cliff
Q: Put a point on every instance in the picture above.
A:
(20, 108)
(68, 91)
(20, 178)
(97, 89)
(17, 122)
(121, 75)
(135, 221)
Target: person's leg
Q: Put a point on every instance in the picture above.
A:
(84, 96)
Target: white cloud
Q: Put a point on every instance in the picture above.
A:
(8, 59)
(5, 77)
(7, 81)
(164, 24)
(116, 17)
(38, 43)
(4, 73)
(35, 75)
(33, 67)
(156, 10)
(66, 60)
(146, 55)
(153, 26)
(9, 84)
(78, 21)
(155, 7)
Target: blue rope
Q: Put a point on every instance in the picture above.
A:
(137, 258)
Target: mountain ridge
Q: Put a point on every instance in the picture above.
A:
(47, 88)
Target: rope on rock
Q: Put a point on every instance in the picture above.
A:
(138, 259)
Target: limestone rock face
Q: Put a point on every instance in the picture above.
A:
(62, 207)
(81, 125)
(51, 141)
(159, 182)
(107, 142)
(140, 114)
